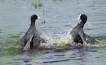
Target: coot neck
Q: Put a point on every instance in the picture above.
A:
(32, 23)
(82, 23)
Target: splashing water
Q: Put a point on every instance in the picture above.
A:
(61, 42)
(65, 41)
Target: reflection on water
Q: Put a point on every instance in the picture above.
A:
(60, 17)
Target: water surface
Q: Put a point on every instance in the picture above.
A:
(60, 17)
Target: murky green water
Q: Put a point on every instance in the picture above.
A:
(59, 15)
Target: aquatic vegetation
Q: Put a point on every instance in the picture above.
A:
(56, 1)
(37, 3)
(34, 4)
(40, 3)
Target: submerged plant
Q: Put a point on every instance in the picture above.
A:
(37, 4)
(40, 3)
(55, 1)
(34, 4)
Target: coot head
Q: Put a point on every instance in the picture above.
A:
(82, 17)
(34, 17)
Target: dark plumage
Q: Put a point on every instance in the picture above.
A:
(35, 39)
(78, 34)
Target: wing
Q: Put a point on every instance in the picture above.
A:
(83, 36)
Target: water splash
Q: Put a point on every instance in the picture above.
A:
(66, 41)
(61, 42)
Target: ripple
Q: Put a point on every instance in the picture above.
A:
(56, 61)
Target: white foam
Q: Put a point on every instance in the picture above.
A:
(63, 42)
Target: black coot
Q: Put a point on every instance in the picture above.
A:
(78, 34)
(31, 38)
